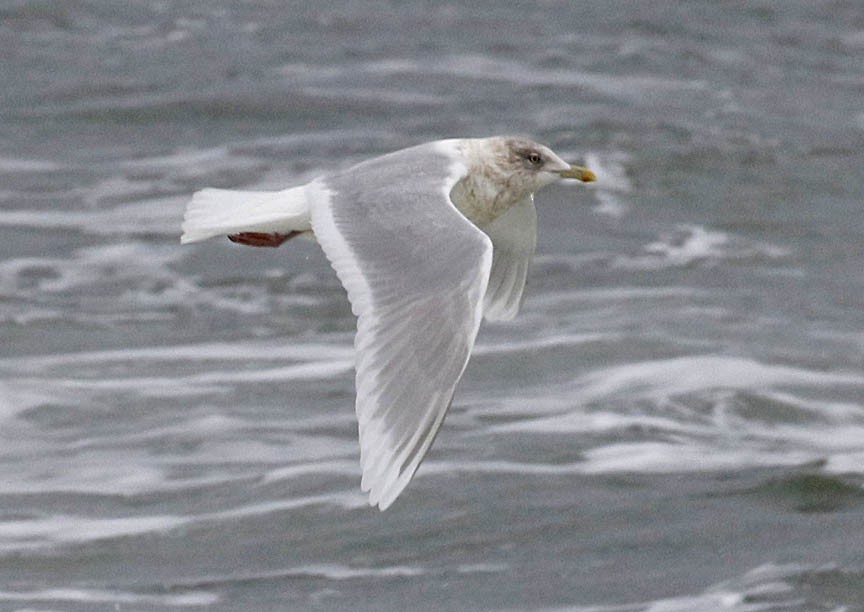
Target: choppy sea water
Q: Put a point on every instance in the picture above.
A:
(675, 422)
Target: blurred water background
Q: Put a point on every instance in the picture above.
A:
(675, 422)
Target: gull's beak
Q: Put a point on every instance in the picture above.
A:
(578, 172)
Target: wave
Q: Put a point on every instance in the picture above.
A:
(205, 351)
(152, 373)
(705, 412)
(666, 377)
(154, 217)
(19, 533)
(764, 588)
(212, 381)
(689, 244)
(13, 165)
(526, 74)
(612, 182)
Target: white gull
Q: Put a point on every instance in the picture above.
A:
(427, 241)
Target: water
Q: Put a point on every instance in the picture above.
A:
(674, 422)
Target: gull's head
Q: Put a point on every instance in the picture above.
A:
(531, 165)
(505, 170)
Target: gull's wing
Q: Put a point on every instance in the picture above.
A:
(416, 271)
(514, 237)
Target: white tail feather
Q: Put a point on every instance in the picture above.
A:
(216, 212)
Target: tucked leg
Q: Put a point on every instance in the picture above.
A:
(261, 239)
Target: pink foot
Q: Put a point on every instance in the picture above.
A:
(261, 239)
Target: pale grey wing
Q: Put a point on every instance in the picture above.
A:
(416, 271)
(514, 238)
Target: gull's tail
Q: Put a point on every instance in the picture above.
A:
(216, 212)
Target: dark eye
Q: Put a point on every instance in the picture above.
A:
(535, 158)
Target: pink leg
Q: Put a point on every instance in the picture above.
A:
(261, 239)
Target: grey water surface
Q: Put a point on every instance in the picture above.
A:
(675, 421)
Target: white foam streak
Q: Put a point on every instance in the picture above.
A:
(243, 351)
(92, 266)
(64, 529)
(660, 381)
(612, 182)
(61, 530)
(343, 572)
(518, 73)
(214, 380)
(345, 501)
(667, 377)
(611, 295)
(845, 463)
(16, 398)
(687, 244)
(37, 380)
(346, 468)
(130, 473)
(663, 457)
(534, 344)
(155, 216)
(323, 571)
(14, 165)
(498, 467)
(759, 590)
(99, 596)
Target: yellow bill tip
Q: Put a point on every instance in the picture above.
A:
(579, 173)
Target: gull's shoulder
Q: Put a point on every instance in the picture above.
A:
(430, 169)
(468, 152)
(410, 177)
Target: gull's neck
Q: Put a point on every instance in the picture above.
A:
(486, 191)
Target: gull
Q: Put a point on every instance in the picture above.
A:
(427, 241)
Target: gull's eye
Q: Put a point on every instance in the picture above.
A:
(534, 157)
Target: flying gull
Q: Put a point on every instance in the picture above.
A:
(426, 241)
